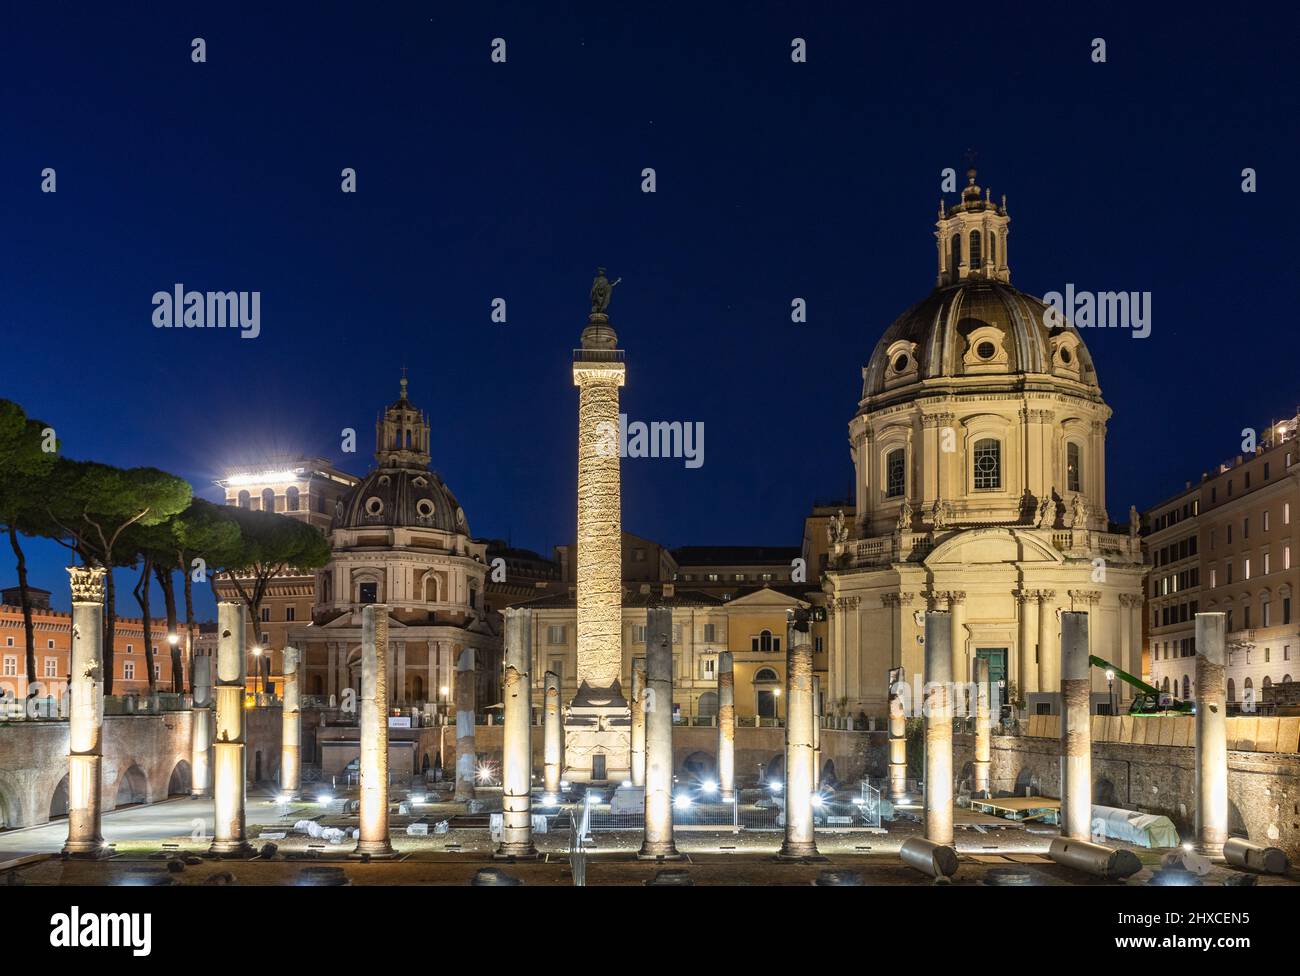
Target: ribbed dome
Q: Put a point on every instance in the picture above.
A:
(401, 497)
(977, 328)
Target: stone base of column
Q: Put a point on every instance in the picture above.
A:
(84, 851)
(799, 851)
(374, 850)
(201, 794)
(231, 849)
(663, 851)
(516, 852)
(1208, 848)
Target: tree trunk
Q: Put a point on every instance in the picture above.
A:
(146, 624)
(168, 585)
(189, 617)
(25, 598)
(110, 629)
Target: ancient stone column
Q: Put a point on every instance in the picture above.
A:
(817, 732)
(517, 739)
(938, 727)
(658, 841)
(466, 757)
(1076, 728)
(638, 721)
(86, 714)
(800, 841)
(291, 727)
(961, 672)
(228, 774)
(897, 748)
(201, 727)
(1026, 665)
(983, 736)
(1211, 820)
(726, 727)
(373, 792)
(552, 745)
(1049, 659)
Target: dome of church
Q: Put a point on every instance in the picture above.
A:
(980, 328)
(401, 498)
(402, 492)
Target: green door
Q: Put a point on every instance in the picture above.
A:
(997, 658)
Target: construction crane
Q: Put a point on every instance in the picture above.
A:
(1147, 701)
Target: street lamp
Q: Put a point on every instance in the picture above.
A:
(173, 640)
(1110, 688)
(257, 661)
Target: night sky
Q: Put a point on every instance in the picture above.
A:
(477, 180)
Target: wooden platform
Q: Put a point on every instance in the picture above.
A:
(1017, 807)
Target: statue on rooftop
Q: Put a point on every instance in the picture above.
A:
(602, 289)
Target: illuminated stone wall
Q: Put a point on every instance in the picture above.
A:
(599, 597)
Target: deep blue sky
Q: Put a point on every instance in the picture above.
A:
(479, 180)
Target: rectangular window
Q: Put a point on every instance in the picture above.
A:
(51, 667)
(130, 649)
(1265, 614)
(1266, 521)
(49, 644)
(11, 665)
(128, 670)
(638, 633)
(1213, 581)
(988, 464)
(710, 633)
(1286, 513)
(1072, 480)
(817, 645)
(288, 614)
(1245, 528)
(895, 479)
(709, 668)
(266, 615)
(555, 634)
(1266, 562)
(1245, 616)
(9, 642)
(1286, 610)
(1286, 557)
(1245, 568)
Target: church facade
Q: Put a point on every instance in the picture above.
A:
(979, 449)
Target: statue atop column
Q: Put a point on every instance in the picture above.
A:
(602, 290)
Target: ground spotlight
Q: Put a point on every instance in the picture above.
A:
(681, 801)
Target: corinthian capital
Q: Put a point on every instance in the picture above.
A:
(87, 584)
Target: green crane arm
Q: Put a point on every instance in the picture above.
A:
(1137, 683)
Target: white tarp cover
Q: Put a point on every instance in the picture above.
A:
(1142, 829)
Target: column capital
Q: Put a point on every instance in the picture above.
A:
(87, 584)
(956, 596)
(1045, 595)
(1130, 599)
(1087, 597)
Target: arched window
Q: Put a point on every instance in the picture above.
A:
(1164, 685)
(1073, 467)
(268, 500)
(895, 474)
(245, 501)
(975, 255)
(1187, 688)
(765, 674)
(1232, 690)
(993, 250)
(763, 642)
(1250, 685)
(987, 459)
(291, 499)
(956, 254)
(1286, 679)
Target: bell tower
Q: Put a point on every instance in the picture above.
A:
(402, 434)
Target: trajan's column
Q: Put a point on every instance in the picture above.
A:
(598, 724)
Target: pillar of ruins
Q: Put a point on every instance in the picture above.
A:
(291, 728)
(1049, 659)
(1076, 728)
(1211, 820)
(466, 757)
(228, 772)
(552, 747)
(658, 841)
(638, 721)
(938, 727)
(817, 732)
(201, 727)
(517, 738)
(983, 737)
(86, 714)
(726, 727)
(799, 836)
(1026, 663)
(897, 748)
(373, 839)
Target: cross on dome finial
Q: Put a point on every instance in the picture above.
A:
(403, 382)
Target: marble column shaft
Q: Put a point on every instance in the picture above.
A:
(201, 727)
(517, 738)
(229, 772)
(938, 727)
(983, 737)
(726, 726)
(638, 705)
(1211, 818)
(1049, 658)
(373, 793)
(817, 731)
(1076, 728)
(897, 748)
(291, 726)
(466, 756)
(800, 840)
(658, 840)
(86, 715)
(552, 732)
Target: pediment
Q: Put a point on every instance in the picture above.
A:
(991, 546)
